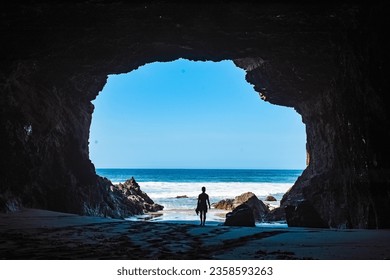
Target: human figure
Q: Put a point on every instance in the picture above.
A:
(203, 200)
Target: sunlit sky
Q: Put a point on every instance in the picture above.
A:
(186, 114)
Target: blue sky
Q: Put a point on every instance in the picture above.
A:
(186, 114)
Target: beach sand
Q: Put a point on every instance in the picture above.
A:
(40, 234)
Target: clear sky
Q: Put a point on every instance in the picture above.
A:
(186, 114)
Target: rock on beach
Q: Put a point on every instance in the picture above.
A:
(133, 192)
(241, 213)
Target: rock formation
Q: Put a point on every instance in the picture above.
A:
(132, 191)
(246, 198)
(117, 201)
(325, 60)
(224, 204)
(270, 198)
(277, 214)
(259, 209)
(241, 216)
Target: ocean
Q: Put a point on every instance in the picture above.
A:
(164, 186)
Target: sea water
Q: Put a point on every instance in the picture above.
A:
(177, 189)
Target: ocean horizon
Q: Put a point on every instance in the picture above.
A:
(177, 189)
(196, 174)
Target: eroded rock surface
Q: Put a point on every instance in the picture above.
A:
(132, 191)
(118, 201)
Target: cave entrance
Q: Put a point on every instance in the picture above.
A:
(176, 126)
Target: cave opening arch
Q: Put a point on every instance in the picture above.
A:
(194, 115)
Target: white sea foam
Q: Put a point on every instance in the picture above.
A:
(225, 190)
(177, 189)
(166, 193)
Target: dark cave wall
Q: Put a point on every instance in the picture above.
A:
(347, 182)
(47, 138)
(325, 61)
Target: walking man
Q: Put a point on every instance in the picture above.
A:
(203, 201)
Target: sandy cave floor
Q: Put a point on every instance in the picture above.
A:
(40, 234)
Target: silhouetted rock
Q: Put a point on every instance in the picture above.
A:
(304, 213)
(276, 215)
(240, 216)
(132, 192)
(270, 198)
(118, 201)
(240, 206)
(182, 196)
(258, 207)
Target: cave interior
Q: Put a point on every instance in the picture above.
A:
(325, 60)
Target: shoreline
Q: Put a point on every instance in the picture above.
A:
(215, 217)
(181, 216)
(40, 234)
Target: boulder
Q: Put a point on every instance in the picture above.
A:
(240, 205)
(258, 207)
(224, 204)
(276, 215)
(249, 198)
(240, 216)
(270, 198)
(260, 210)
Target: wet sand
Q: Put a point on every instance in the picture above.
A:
(40, 234)
(215, 217)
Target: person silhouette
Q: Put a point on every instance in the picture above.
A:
(203, 200)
